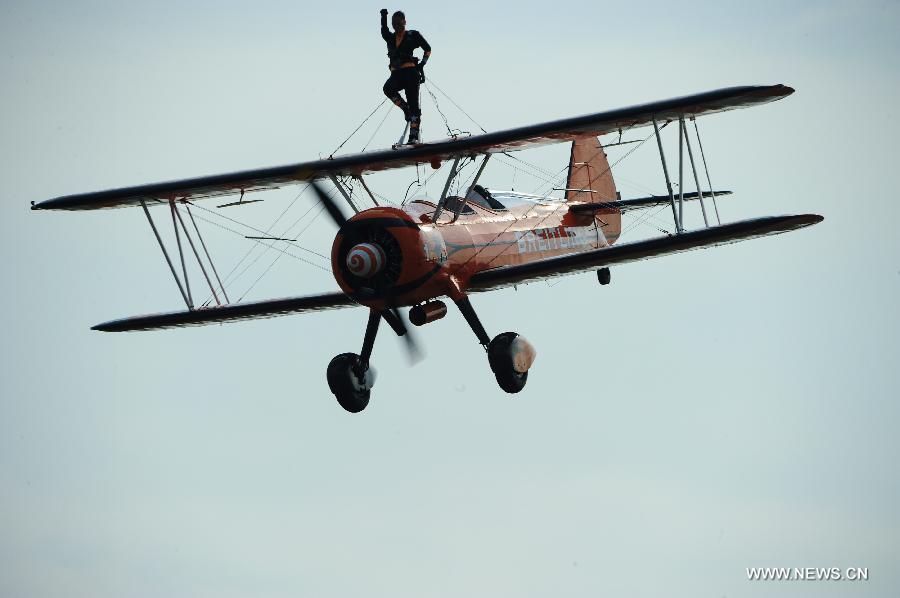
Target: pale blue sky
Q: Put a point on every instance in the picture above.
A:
(704, 413)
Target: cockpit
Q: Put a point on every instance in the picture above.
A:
(494, 201)
(482, 197)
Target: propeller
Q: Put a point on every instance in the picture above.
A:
(335, 212)
(396, 322)
(392, 315)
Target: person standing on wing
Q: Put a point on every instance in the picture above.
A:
(407, 72)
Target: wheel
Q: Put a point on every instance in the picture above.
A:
(351, 394)
(604, 276)
(511, 382)
(501, 361)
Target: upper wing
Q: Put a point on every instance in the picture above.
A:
(357, 164)
(639, 250)
(229, 313)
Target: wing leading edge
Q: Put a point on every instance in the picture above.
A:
(639, 250)
(229, 313)
(519, 138)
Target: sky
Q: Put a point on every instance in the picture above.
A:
(705, 413)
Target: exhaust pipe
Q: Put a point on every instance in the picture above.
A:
(423, 314)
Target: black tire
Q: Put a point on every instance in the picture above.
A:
(512, 381)
(501, 363)
(604, 276)
(341, 382)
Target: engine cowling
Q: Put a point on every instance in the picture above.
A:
(379, 258)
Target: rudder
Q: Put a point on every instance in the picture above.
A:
(590, 180)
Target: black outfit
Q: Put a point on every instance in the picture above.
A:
(402, 77)
(408, 80)
(403, 53)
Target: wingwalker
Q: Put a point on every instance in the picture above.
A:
(386, 258)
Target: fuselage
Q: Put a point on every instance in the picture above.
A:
(427, 259)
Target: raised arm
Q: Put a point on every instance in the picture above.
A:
(385, 32)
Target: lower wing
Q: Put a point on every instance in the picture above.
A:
(239, 311)
(483, 281)
(639, 250)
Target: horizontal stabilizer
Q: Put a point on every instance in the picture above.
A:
(626, 205)
(229, 313)
(639, 250)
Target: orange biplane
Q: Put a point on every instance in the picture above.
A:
(385, 258)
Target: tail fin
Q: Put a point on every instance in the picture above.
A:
(590, 180)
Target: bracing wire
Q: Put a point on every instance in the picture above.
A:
(483, 130)
(450, 132)
(266, 232)
(365, 120)
(231, 277)
(260, 241)
(381, 124)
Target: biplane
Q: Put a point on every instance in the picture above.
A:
(414, 256)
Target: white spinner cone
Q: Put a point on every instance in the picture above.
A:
(365, 260)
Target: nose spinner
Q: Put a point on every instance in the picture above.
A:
(365, 260)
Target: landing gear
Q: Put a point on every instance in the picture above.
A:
(509, 354)
(349, 375)
(351, 390)
(501, 353)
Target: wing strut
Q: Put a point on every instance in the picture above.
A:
(443, 199)
(362, 182)
(208, 257)
(687, 142)
(187, 282)
(662, 156)
(196, 255)
(684, 140)
(343, 191)
(461, 205)
(706, 168)
(166, 254)
(184, 285)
